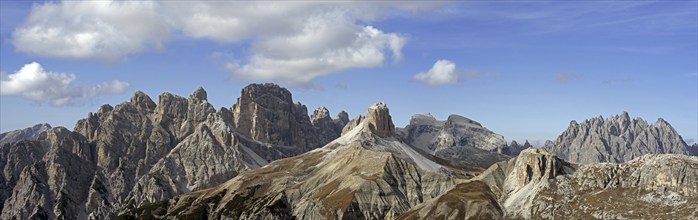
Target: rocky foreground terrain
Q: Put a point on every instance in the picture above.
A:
(267, 158)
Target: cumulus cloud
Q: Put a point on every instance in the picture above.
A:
(34, 83)
(565, 77)
(442, 73)
(291, 42)
(103, 30)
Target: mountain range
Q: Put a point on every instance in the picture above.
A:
(267, 158)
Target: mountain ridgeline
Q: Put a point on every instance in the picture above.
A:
(30, 134)
(617, 139)
(267, 158)
(140, 152)
(370, 172)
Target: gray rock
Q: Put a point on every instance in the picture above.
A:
(139, 152)
(538, 185)
(471, 200)
(361, 175)
(378, 120)
(47, 176)
(30, 134)
(341, 120)
(456, 139)
(325, 127)
(352, 124)
(616, 139)
(266, 113)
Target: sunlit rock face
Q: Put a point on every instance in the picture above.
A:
(616, 139)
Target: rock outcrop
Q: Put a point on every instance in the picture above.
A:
(617, 139)
(365, 174)
(456, 139)
(341, 120)
(30, 134)
(47, 178)
(267, 113)
(328, 128)
(139, 152)
(471, 200)
(538, 185)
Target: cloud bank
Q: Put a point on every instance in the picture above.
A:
(442, 73)
(34, 83)
(291, 42)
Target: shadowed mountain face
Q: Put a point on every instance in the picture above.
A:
(140, 152)
(616, 139)
(29, 134)
(456, 139)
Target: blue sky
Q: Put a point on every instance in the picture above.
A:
(523, 69)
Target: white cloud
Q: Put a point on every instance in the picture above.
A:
(442, 73)
(290, 42)
(293, 42)
(102, 30)
(34, 83)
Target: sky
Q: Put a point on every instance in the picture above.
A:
(523, 69)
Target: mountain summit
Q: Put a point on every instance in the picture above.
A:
(616, 139)
(455, 139)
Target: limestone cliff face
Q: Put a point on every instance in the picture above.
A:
(378, 120)
(455, 139)
(140, 152)
(616, 139)
(368, 173)
(46, 178)
(267, 113)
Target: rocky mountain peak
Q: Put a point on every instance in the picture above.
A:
(199, 95)
(55, 135)
(514, 144)
(527, 144)
(172, 106)
(104, 109)
(617, 139)
(255, 92)
(339, 121)
(662, 123)
(267, 113)
(43, 126)
(30, 133)
(460, 121)
(142, 101)
(320, 113)
(378, 120)
(342, 116)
